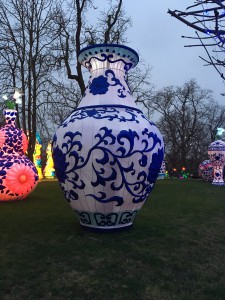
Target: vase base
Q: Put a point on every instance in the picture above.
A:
(219, 183)
(114, 221)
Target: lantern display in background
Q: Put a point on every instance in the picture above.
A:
(173, 173)
(106, 154)
(216, 152)
(205, 170)
(162, 171)
(49, 171)
(37, 156)
(220, 134)
(183, 174)
(18, 175)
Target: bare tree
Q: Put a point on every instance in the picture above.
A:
(25, 57)
(139, 81)
(185, 122)
(215, 118)
(207, 18)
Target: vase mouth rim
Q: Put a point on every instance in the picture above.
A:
(217, 144)
(10, 110)
(124, 52)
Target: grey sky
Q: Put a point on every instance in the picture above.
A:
(157, 37)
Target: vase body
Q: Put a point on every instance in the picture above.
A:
(18, 175)
(106, 154)
(216, 152)
(205, 170)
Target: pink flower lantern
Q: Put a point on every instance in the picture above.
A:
(205, 170)
(216, 152)
(18, 175)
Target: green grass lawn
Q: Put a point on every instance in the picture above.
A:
(175, 250)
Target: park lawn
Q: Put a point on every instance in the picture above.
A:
(175, 250)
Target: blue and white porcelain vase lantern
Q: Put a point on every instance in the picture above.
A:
(216, 152)
(162, 171)
(106, 154)
(205, 170)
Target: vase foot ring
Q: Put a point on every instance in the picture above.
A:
(106, 229)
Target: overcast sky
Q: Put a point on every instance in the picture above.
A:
(157, 37)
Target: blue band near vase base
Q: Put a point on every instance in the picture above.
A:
(111, 221)
(161, 176)
(219, 183)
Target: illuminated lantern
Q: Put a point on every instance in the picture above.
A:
(205, 170)
(220, 134)
(183, 173)
(106, 154)
(37, 156)
(216, 152)
(162, 171)
(18, 175)
(49, 171)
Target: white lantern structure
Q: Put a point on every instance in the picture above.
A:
(216, 152)
(205, 170)
(162, 171)
(106, 154)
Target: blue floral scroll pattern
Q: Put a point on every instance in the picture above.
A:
(99, 85)
(110, 59)
(105, 112)
(111, 160)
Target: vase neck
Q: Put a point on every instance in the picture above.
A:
(108, 64)
(108, 86)
(10, 117)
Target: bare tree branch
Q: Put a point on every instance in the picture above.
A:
(208, 19)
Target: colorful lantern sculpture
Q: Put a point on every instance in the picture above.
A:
(18, 175)
(37, 156)
(49, 171)
(205, 170)
(162, 171)
(106, 154)
(183, 174)
(216, 152)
